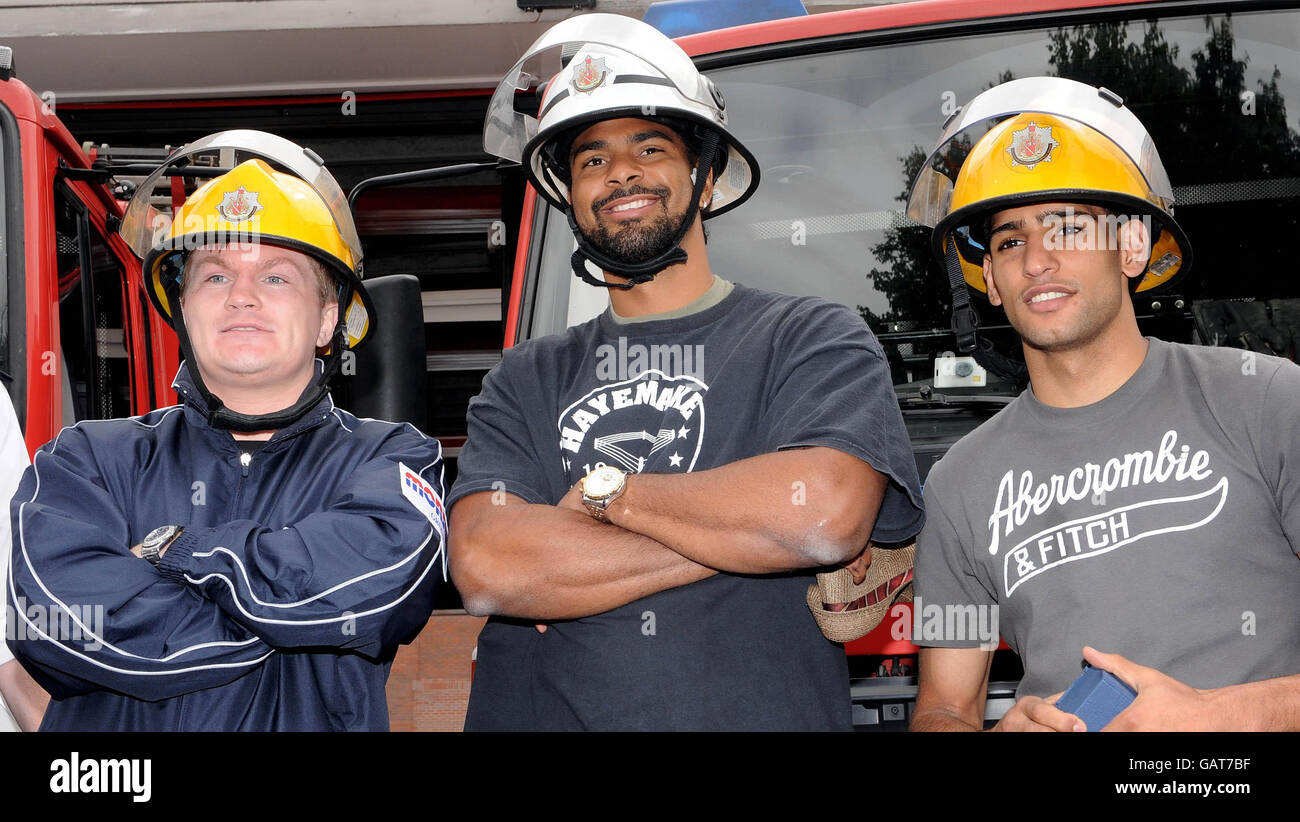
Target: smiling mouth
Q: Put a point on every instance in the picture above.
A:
(633, 198)
(1047, 295)
(639, 203)
(632, 209)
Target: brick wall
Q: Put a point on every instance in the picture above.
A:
(428, 688)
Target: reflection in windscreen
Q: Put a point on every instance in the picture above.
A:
(839, 137)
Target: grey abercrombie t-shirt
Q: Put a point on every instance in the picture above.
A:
(754, 373)
(1161, 523)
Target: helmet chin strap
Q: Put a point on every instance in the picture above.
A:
(218, 415)
(646, 270)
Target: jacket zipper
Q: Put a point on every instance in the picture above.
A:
(245, 462)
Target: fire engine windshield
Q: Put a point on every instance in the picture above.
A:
(144, 225)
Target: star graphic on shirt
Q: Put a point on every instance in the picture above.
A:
(675, 460)
(683, 432)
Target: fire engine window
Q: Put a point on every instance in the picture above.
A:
(95, 367)
(839, 135)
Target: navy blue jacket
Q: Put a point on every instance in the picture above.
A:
(279, 607)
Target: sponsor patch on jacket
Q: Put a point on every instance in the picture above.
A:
(422, 496)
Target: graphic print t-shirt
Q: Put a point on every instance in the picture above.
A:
(756, 373)
(1160, 523)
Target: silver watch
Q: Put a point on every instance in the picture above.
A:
(158, 539)
(600, 488)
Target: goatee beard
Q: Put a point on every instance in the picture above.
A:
(639, 241)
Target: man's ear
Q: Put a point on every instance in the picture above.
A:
(329, 317)
(989, 285)
(706, 197)
(1134, 247)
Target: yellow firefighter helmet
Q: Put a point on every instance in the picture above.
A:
(1054, 140)
(253, 203)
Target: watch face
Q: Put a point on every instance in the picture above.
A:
(159, 535)
(603, 481)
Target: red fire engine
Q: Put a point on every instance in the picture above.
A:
(79, 338)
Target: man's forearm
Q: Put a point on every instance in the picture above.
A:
(952, 687)
(544, 562)
(940, 720)
(26, 699)
(1267, 705)
(775, 512)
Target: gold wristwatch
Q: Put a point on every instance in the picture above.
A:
(600, 488)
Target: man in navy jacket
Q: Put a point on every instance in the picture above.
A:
(251, 558)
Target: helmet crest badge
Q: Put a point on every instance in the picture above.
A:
(1031, 145)
(239, 205)
(589, 74)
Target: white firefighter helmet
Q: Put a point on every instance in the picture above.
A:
(617, 67)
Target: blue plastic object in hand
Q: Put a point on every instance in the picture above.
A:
(1096, 697)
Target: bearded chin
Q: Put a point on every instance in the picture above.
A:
(635, 244)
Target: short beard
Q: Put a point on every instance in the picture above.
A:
(638, 242)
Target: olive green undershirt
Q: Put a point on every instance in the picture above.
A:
(716, 294)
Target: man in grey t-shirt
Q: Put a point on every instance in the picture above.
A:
(656, 485)
(1141, 497)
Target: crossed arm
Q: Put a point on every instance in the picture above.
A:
(954, 682)
(358, 574)
(793, 509)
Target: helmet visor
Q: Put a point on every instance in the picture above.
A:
(144, 226)
(932, 191)
(506, 131)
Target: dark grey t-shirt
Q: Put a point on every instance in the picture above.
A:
(755, 373)
(1161, 523)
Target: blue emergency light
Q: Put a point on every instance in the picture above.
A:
(677, 18)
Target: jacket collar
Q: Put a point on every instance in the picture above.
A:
(197, 409)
